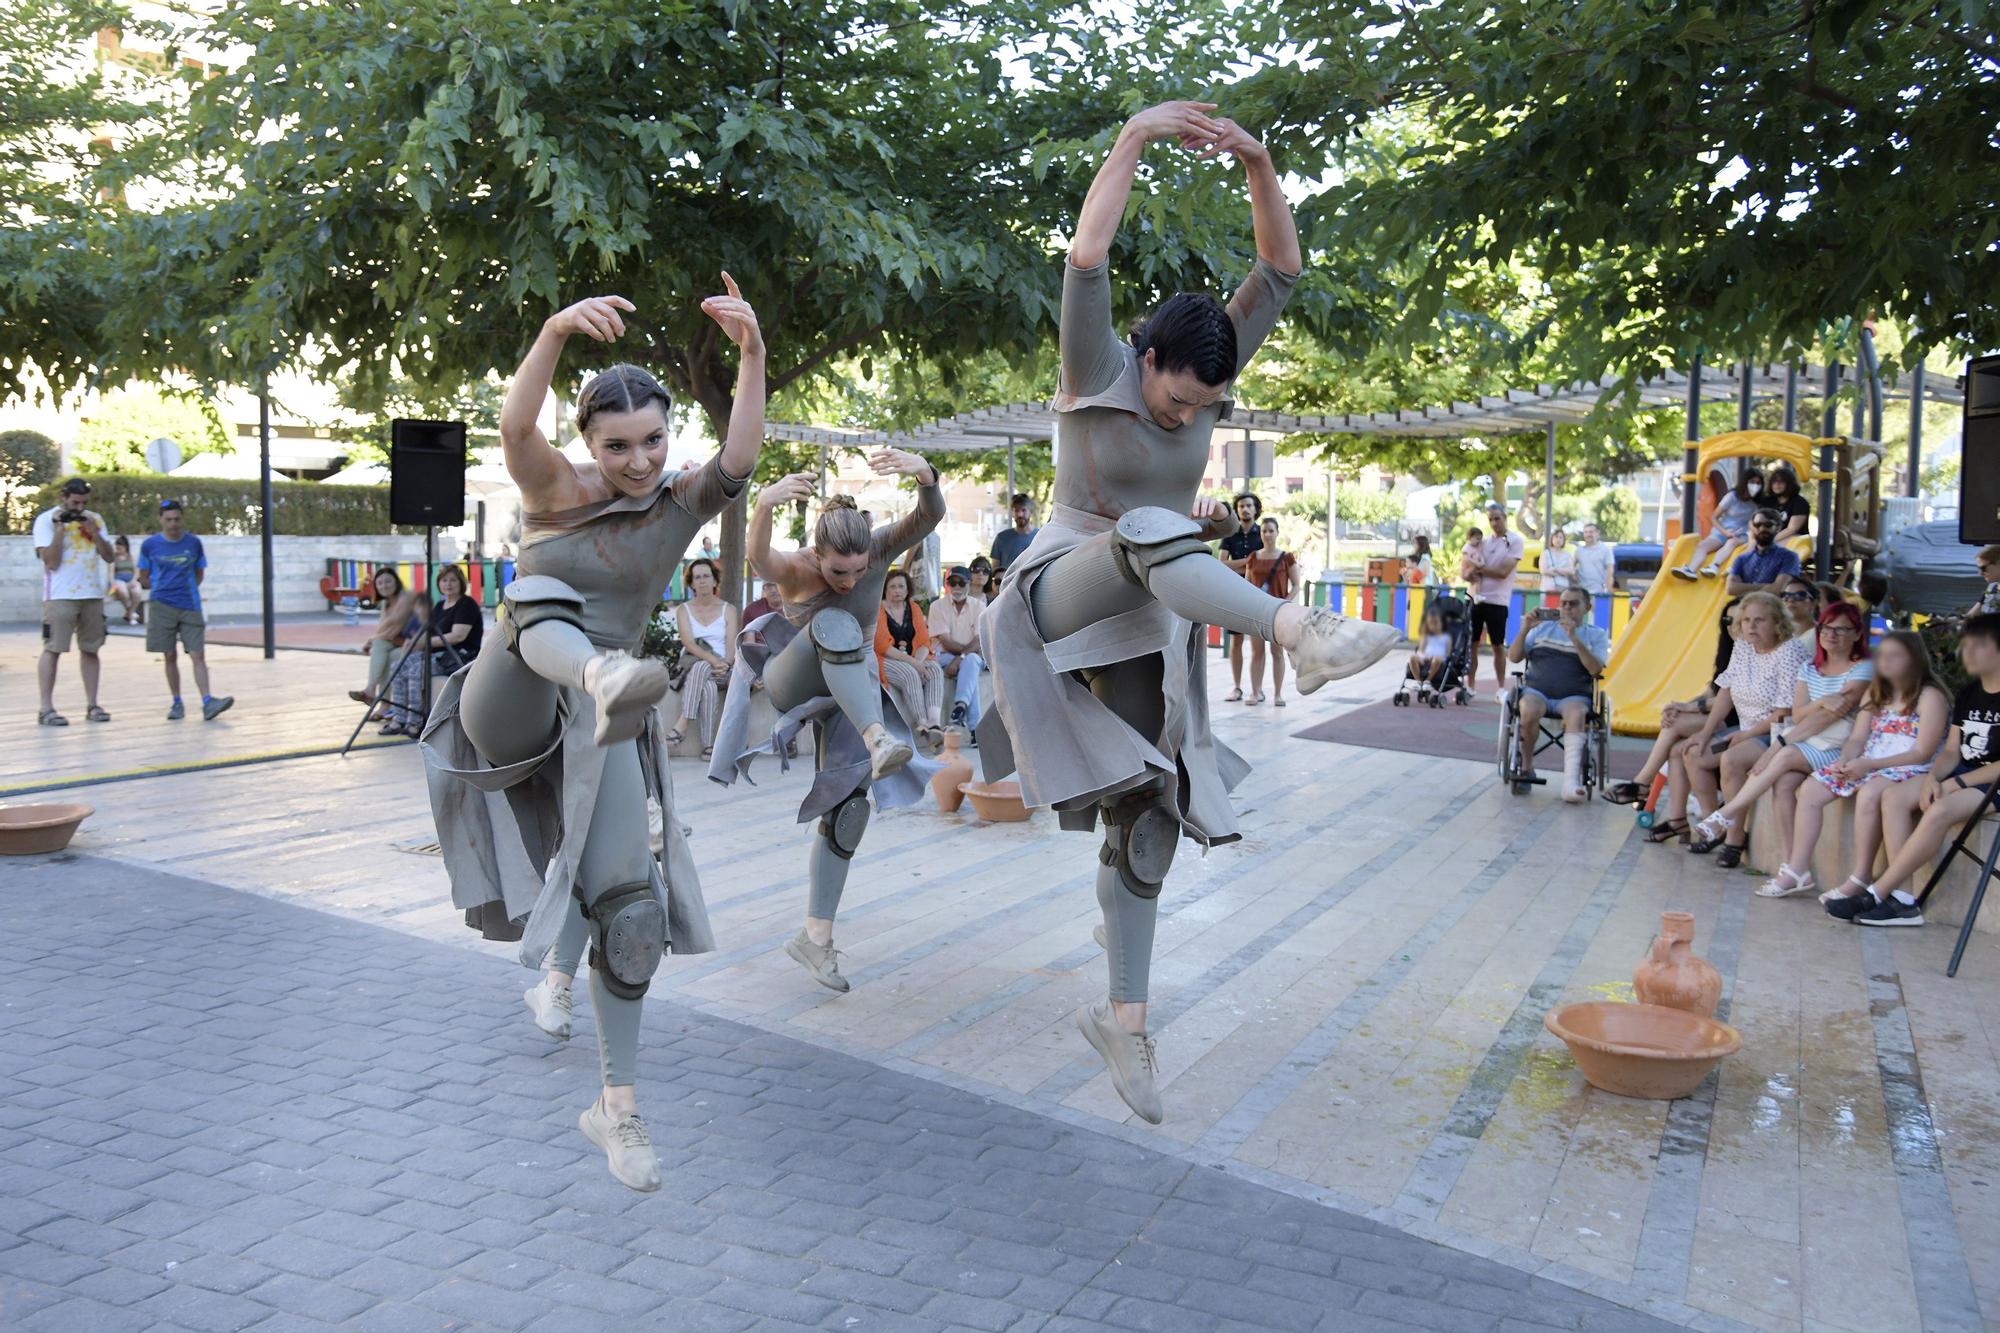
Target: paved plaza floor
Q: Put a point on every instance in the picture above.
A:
(313, 1110)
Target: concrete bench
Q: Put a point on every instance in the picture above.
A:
(763, 716)
(1833, 858)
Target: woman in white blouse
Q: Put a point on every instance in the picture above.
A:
(1558, 563)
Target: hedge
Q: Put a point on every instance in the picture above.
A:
(130, 503)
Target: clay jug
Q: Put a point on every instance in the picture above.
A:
(954, 769)
(1671, 974)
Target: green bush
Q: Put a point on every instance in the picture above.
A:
(1617, 514)
(130, 503)
(28, 458)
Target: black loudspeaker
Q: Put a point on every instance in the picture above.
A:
(1979, 454)
(427, 473)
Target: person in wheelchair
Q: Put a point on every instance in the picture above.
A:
(1565, 654)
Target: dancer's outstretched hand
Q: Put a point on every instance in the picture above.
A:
(787, 490)
(736, 317)
(594, 317)
(1175, 120)
(888, 462)
(1229, 138)
(1208, 509)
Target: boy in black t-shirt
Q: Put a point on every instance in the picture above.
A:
(1954, 790)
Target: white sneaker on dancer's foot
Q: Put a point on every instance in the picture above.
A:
(1129, 1056)
(627, 1146)
(626, 689)
(551, 1006)
(1332, 646)
(821, 960)
(886, 754)
(1097, 934)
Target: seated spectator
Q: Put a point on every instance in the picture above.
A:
(1802, 602)
(1728, 528)
(983, 584)
(395, 622)
(1766, 564)
(1433, 653)
(769, 602)
(1565, 654)
(1758, 683)
(954, 626)
(1989, 569)
(1829, 691)
(452, 632)
(125, 582)
(1678, 721)
(1782, 494)
(910, 671)
(1917, 818)
(708, 627)
(1558, 564)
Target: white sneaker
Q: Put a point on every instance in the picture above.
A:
(822, 961)
(886, 754)
(628, 1148)
(1129, 1056)
(1687, 572)
(1709, 571)
(551, 1006)
(1332, 646)
(626, 689)
(1097, 935)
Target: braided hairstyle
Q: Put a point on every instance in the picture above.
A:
(841, 530)
(620, 388)
(1191, 332)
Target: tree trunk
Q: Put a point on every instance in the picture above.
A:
(710, 382)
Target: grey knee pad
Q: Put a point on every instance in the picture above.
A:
(1150, 536)
(533, 598)
(1140, 838)
(843, 826)
(836, 636)
(630, 927)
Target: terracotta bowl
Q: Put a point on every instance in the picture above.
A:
(28, 829)
(1642, 1050)
(996, 802)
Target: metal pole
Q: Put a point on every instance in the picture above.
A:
(1010, 469)
(1829, 414)
(1549, 487)
(1873, 365)
(1329, 521)
(1791, 395)
(264, 519)
(1823, 548)
(1743, 396)
(430, 592)
(1916, 428)
(1692, 459)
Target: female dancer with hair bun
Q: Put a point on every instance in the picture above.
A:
(829, 675)
(1095, 641)
(542, 756)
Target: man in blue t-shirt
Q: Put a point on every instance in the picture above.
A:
(1766, 564)
(171, 564)
(1565, 654)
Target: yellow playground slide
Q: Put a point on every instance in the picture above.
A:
(1667, 651)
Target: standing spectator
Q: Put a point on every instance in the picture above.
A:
(954, 625)
(74, 551)
(1783, 494)
(395, 622)
(1596, 561)
(171, 566)
(1273, 570)
(1237, 549)
(1766, 564)
(1558, 563)
(451, 633)
(769, 600)
(1008, 544)
(125, 581)
(708, 628)
(1728, 528)
(1490, 567)
(910, 671)
(1565, 654)
(1423, 569)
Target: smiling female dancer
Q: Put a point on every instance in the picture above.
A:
(1094, 640)
(542, 756)
(829, 675)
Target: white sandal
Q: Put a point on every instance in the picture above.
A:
(1854, 882)
(1802, 882)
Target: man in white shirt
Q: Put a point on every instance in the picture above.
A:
(1594, 562)
(1491, 568)
(954, 622)
(75, 555)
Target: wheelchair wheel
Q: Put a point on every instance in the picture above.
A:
(1510, 723)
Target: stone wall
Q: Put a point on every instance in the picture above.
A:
(232, 586)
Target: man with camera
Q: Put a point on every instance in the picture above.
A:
(75, 554)
(1565, 654)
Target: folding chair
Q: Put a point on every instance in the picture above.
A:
(1985, 874)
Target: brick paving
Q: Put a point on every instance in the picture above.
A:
(222, 1112)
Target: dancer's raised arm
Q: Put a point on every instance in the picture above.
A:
(1104, 206)
(543, 474)
(785, 568)
(1270, 216)
(746, 414)
(895, 538)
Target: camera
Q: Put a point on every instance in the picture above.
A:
(70, 516)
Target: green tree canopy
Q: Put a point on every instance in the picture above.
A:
(113, 438)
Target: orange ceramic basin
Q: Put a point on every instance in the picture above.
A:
(28, 829)
(1642, 1050)
(996, 802)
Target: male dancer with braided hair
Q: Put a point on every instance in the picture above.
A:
(1095, 643)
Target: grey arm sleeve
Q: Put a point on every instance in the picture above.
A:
(892, 539)
(1255, 308)
(1092, 355)
(707, 490)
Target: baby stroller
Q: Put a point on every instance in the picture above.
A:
(1450, 680)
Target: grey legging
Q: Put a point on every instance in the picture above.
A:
(1082, 587)
(508, 710)
(797, 674)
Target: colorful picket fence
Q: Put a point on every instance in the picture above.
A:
(485, 577)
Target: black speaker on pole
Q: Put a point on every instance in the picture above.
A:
(1979, 454)
(426, 473)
